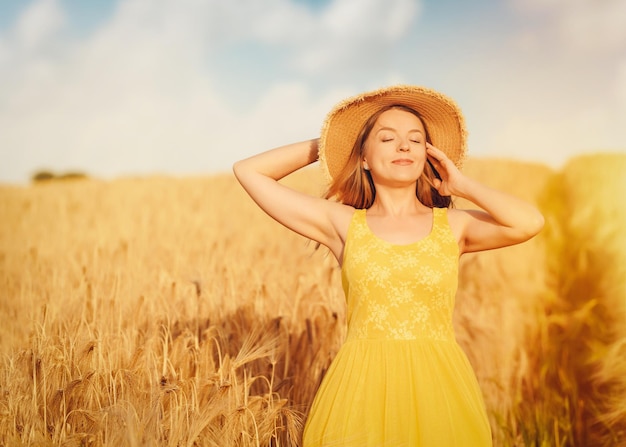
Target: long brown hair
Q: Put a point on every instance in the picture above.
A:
(354, 186)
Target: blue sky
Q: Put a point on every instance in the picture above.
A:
(136, 87)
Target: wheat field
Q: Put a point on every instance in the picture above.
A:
(165, 311)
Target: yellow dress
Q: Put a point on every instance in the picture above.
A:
(400, 379)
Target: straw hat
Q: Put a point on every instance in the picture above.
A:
(443, 119)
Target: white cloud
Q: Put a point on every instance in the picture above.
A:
(554, 139)
(152, 88)
(540, 123)
(40, 22)
(568, 96)
(343, 36)
(139, 93)
(579, 25)
(281, 22)
(620, 82)
(370, 19)
(355, 34)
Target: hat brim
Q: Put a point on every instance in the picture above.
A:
(442, 118)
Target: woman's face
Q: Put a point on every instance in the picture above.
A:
(395, 149)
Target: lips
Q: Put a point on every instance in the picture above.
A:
(403, 162)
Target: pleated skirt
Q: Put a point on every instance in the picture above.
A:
(398, 393)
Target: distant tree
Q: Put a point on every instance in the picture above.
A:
(43, 176)
(72, 176)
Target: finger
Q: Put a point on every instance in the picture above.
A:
(436, 164)
(435, 152)
(436, 157)
(431, 149)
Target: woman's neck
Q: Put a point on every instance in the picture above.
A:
(396, 202)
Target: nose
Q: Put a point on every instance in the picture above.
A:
(404, 146)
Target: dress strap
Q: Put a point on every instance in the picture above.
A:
(442, 229)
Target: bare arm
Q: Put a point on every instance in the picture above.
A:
(506, 220)
(312, 217)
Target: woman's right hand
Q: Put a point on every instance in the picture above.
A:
(321, 220)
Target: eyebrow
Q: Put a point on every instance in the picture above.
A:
(395, 130)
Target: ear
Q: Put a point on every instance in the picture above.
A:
(365, 165)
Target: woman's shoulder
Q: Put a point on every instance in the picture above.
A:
(457, 219)
(341, 215)
(458, 215)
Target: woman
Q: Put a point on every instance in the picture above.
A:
(392, 157)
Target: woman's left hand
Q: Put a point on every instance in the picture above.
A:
(502, 220)
(451, 177)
